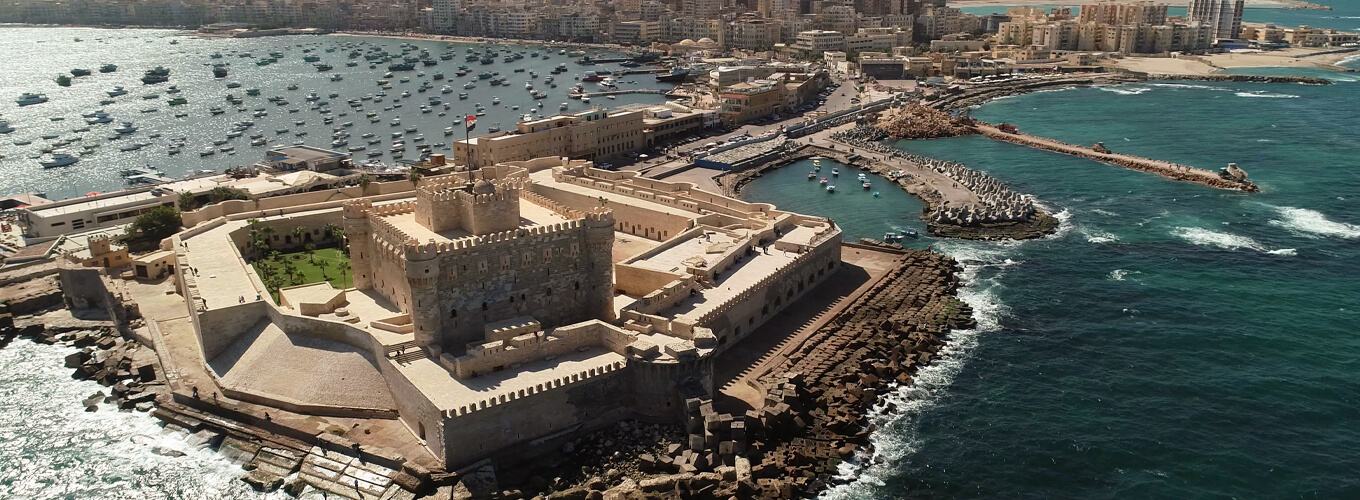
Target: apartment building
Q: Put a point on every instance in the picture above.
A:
(587, 135)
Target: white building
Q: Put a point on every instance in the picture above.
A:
(1224, 17)
(820, 41)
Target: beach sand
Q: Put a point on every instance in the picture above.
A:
(1204, 65)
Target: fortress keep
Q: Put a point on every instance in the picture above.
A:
(496, 312)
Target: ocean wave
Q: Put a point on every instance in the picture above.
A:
(1064, 217)
(911, 401)
(1266, 95)
(1188, 86)
(1098, 236)
(1314, 224)
(1206, 238)
(1126, 90)
(1119, 274)
(897, 437)
(1106, 213)
(1287, 252)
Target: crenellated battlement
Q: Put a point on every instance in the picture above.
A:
(416, 251)
(557, 383)
(356, 209)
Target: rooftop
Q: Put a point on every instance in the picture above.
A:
(530, 215)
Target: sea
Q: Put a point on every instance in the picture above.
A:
(1170, 341)
(53, 51)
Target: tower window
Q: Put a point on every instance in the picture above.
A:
(483, 306)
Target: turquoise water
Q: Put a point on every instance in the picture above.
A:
(50, 51)
(892, 211)
(1345, 14)
(1171, 341)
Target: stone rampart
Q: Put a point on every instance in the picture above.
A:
(557, 383)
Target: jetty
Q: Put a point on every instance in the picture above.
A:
(1166, 169)
(616, 92)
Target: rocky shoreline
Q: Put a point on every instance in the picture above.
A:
(816, 407)
(1305, 80)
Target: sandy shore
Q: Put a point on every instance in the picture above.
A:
(1204, 65)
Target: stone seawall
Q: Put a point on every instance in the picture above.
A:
(1305, 80)
(817, 406)
(1165, 169)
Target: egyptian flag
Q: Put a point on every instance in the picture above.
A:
(470, 122)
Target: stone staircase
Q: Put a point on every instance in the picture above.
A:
(404, 352)
(345, 475)
(803, 330)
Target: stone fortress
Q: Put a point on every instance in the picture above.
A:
(497, 311)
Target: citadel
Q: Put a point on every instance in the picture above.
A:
(495, 309)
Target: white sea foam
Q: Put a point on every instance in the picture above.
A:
(1119, 274)
(1314, 224)
(1206, 238)
(1126, 90)
(1287, 252)
(1106, 213)
(930, 382)
(1098, 236)
(1266, 95)
(1188, 86)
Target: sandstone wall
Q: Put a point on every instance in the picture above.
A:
(575, 402)
(326, 197)
(627, 219)
(546, 276)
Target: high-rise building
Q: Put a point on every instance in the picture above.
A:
(1224, 17)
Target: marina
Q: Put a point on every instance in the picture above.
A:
(210, 107)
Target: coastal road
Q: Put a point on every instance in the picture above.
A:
(839, 99)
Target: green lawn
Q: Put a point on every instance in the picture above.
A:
(325, 264)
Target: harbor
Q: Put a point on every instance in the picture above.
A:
(274, 92)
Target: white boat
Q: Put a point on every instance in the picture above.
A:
(117, 91)
(126, 128)
(99, 117)
(257, 142)
(448, 130)
(58, 159)
(495, 101)
(5, 127)
(336, 77)
(29, 99)
(563, 107)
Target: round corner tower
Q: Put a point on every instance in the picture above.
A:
(422, 272)
(355, 223)
(599, 234)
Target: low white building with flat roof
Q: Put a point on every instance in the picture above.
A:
(120, 207)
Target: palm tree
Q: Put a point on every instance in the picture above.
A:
(187, 201)
(364, 181)
(344, 274)
(297, 234)
(414, 176)
(329, 231)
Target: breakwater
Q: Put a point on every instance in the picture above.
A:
(616, 92)
(1305, 80)
(815, 414)
(990, 211)
(1165, 169)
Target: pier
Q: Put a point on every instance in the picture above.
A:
(1165, 169)
(616, 92)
